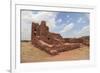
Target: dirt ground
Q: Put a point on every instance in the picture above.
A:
(29, 53)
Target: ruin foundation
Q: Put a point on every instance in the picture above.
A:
(52, 43)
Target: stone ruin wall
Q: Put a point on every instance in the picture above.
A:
(52, 43)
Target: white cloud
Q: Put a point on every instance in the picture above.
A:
(49, 17)
(67, 28)
(28, 16)
(67, 16)
(59, 20)
(84, 31)
(79, 20)
(26, 21)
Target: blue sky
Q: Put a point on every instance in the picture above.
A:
(78, 20)
(68, 24)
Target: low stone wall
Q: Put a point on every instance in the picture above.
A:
(55, 49)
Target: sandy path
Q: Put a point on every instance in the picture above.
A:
(29, 53)
(77, 54)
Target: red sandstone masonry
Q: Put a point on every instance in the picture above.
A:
(50, 42)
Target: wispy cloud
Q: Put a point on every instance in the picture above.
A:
(68, 24)
(49, 17)
(67, 28)
(84, 31)
(59, 21)
(67, 16)
(27, 17)
(79, 20)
